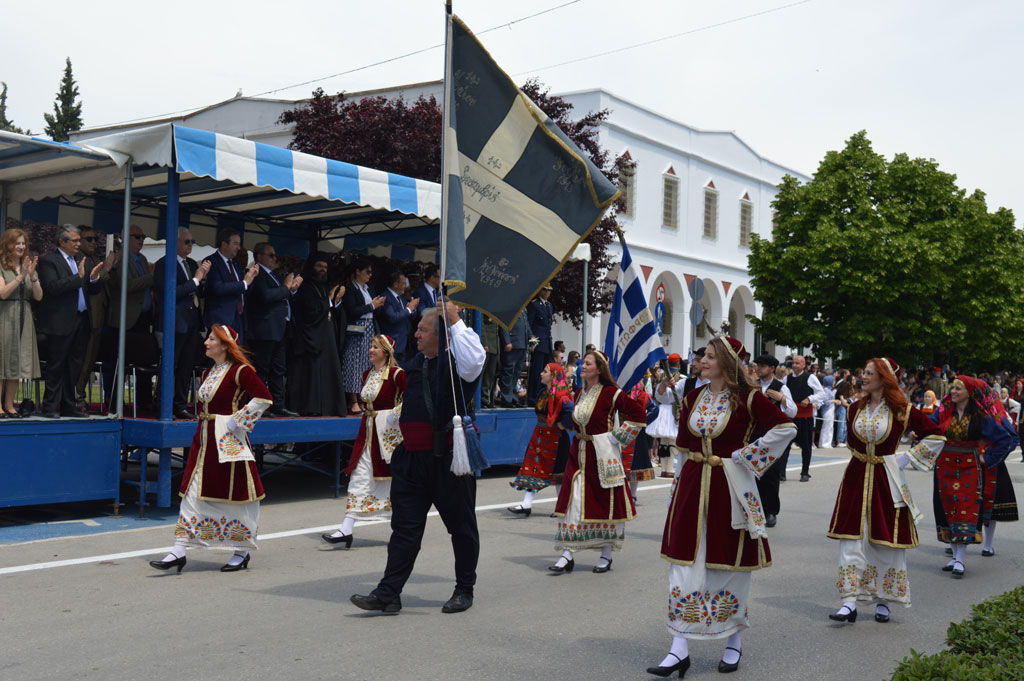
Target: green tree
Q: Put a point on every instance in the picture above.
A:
(67, 114)
(6, 123)
(885, 258)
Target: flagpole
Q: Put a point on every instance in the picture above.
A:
(622, 242)
(446, 121)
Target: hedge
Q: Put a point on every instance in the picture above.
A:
(988, 645)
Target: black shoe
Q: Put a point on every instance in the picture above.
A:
(458, 603)
(553, 515)
(948, 567)
(804, 477)
(840, 616)
(782, 477)
(235, 568)
(183, 414)
(51, 415)
(879, 617)
(770, 519)
(949, 552)
(283, 413)
(680, 667)
(568, 567)
(957, 572)
(371, 602)
(724, 667)
(75, 414)
(168, 564)
(519, 510)
(601, 569)
(988, 553)
(345, 539)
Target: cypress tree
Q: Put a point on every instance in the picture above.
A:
(67, 115)
(6, 123)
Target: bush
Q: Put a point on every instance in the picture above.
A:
(988, 645)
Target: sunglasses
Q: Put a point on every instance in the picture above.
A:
(140, 237)
(90, 239)
(189, 242)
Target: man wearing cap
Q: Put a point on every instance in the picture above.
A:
(694, 380)
(937, 384)
(541, 316)
(776, 391)
(808, 394)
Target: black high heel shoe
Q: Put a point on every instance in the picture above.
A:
(879, 617)
(603, 568)
(958, 572)
(235, 568)
(519, 510)
(563, 569)
(728, 667)
(168, 564)
(345, 539)
(680, 667)
(850, 617)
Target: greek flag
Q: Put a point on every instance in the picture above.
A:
(519, 194)
(632, 343)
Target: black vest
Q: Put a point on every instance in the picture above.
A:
(798, 386)
(444, 405)
(775, 385)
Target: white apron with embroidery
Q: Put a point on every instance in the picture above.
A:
(369, 497)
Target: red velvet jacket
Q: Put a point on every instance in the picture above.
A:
(236, 482)
(392, 388)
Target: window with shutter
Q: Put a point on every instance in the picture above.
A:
(710, 213)
(670, 202)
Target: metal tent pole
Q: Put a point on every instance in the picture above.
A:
(168, 303)
(125, 235)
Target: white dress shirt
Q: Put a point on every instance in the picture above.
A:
(789, 408)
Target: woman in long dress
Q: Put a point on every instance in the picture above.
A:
(715, 536)
(369, 469)
(19, 285)
(594, 503)
(359, 302)
(220, 505)
(978, 438)
(875, 518)
(554, 417)
(999, 503)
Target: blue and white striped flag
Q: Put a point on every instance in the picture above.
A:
(632, 342)
(520, 195)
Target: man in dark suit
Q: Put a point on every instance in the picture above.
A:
(513, 357)
(63, 317)
(427, 293)
(268, 315)
(395, 315)
(541, 316)
(188, 322)
(138, 317)
(97, 315)
(227, 283)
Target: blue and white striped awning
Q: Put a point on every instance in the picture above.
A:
(222, 175)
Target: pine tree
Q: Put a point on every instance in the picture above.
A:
(67, 115)
(6, 123)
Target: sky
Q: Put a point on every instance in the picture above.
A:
(794, 79)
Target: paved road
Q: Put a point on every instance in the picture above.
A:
(109, 616)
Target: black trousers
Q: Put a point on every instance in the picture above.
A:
(538, 360)
(768, 488)
(64, 358)
(419, 480)
(185, 347)
(804, 440)
(271, 365)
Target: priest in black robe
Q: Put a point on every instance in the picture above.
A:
(314, 375)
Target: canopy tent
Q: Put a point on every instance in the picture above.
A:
(155, 175)
(298, 198)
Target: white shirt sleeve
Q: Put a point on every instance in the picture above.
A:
(469, 352)
(790, 408)
(818, 396)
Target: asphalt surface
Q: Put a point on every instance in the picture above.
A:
(87, 605)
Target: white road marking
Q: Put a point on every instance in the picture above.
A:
(307, 530)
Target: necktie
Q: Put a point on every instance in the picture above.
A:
(74, 270)
(238, 304)
(188, 275)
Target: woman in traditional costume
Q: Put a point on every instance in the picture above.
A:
(596, 502)
(636, 457)
(554, 417)
(369, 469)
(978, 439)
(714, 537)
(665, 427)
(875, 518)
(221, 488)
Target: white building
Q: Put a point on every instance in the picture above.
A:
(693, 201)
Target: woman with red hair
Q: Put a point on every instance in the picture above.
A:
(554, 417)
(979, 437)
(595, 501)
(221, 488)
(875, 518)
(19, 286)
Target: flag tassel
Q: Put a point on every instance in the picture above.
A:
(460, 453)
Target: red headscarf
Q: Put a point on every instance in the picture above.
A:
(980, 393)
(558, 394)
